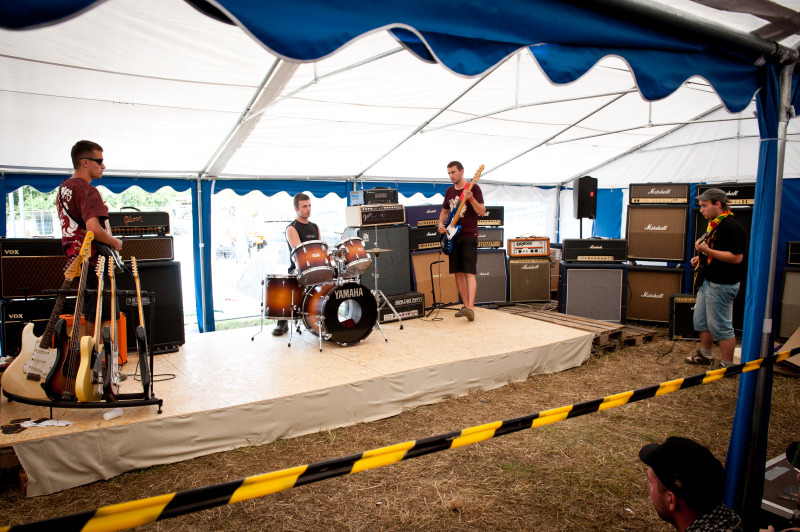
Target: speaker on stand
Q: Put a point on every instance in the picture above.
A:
(584, 199)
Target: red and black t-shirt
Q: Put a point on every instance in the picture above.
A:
(82, 201)
(469, 218)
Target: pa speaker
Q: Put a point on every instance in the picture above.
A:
(596, 291)
(491, 276)
(394, 268)
(790, 303)
(432, 277)
(681, 317)
(17, 312)
(649, 288)
(584, 197)
(529, 279)
(162, 281)
(657, 232)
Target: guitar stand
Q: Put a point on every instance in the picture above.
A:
(435, 305)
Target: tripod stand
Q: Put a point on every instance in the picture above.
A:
(377, 291)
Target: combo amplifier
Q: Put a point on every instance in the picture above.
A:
(423, 215)
(139, 223)
(681, 317)
(492, 276)
(659, 193)
(529, 279)
(31, 266)
(16, 313)
(649, 288)
(738, 193)
(409, 305)
(595, 250)
(596, 291)
(494, 216)
(147, 248)
(422, 238)
(364, 215)
(373, 196)
(793, 253)
(657, 232)
(535, 246)
(490, 237)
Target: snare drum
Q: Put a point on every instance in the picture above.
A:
(283, 296)
(357, 261)
(312, 262)
(343, 313)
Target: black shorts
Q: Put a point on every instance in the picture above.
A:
(464, 255)
(90, 300)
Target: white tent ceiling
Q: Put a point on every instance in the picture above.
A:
(161, 87)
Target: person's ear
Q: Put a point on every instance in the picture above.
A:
(672, 500)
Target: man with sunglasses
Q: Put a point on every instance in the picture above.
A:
(81, 208)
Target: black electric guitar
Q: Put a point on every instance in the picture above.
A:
(451, 229)
(141, 338)
(110, 344)
(701, 262)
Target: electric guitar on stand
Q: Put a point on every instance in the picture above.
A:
(451, 229)
(141, 338)
(111, 344)
(88, 382)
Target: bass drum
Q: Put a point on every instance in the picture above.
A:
(343, 313)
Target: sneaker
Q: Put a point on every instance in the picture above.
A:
(469, 314)
(281, 328)
(698, 359)
(461, 312)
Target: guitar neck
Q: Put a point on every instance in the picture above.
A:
(464, 201)
(47, 337)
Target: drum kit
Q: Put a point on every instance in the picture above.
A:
(324, 292)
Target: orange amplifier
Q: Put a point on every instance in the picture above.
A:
(123, 333)
(534, 246)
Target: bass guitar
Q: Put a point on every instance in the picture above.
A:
(24, 375)
(141, 338)
(111, 345)
(451, 229)
(60, 382)
(88, 382)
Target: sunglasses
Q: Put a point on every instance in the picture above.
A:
(98, 161)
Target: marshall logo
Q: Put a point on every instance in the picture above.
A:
(11, 251)
(530, 267)
(652, 296)
(132, 219)
(483, 274)
(651, 227)
(595, 246)
(431, 233)
(660, 191)
(430, 211)
(348, 293)
(730, 193)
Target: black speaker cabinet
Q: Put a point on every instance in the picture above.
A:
(491, 276)
(793, 253)
(17, 312)
(30, 266)
(597, 291)
(649, 288)
(162, 280)
(529, 279)
(394, 267)
(584, 197)
(657, 232)
(432, 277)
(490, 237)
(681, 317)
(789, 317)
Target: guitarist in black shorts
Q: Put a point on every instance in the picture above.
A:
(464, 255)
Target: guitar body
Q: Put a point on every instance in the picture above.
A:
(448, 237)
(141, 345)
(111, 377)
(84, 388)
(58, 384)
(16, 379)
(451, 229)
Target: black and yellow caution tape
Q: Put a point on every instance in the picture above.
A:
(143, 511)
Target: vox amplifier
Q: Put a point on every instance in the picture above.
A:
(535, 246)
(139, 223)
(490, 237)
(423, 215)
(408, 305)
(595, 250)
(793, 253)
(373, 196)
(659, 193)
(422, 238)
(30, 266)
(738, 193)
(494, 216)
(364, 215)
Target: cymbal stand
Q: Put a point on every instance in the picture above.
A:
(263, 309)
(379, 294)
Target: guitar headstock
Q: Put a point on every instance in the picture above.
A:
(478, 173)
(73, 269)
(101, 267)
(134, 269)
(111, 269)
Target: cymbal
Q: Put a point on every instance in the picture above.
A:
(378, 250)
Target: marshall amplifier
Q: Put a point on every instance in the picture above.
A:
(738, 193)
(364, 215)
(432, 277)
(681, 317)
(494, 216)
(649, 288)
(657, 232)
(659, 193)
(139, 223)
(422, 238)
(529, 279)
(373, 196)
(492, 276)
(535, 246)
(30, 266)
(793, 253)
(408, 305)
(595, 250)
(490, 237)
(423, 215)
(146, 248)
(596, 291)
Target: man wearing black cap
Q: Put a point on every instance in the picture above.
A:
(687, 484)
(719, 266)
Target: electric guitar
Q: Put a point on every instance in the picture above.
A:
(141, 338)
(451, 229)
(698, 269)
(108, 251)
(36, 357)
(110, 345)
(87, 379)
(60, 382)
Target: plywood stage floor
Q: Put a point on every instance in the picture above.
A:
(226, 391)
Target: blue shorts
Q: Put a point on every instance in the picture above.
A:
(713, 311)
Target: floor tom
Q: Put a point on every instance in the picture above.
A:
(283, 296)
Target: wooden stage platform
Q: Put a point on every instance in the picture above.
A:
(221, 391)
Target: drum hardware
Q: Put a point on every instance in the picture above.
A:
(377, 291)
(345, 313)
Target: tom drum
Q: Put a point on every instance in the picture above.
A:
(312, 262)
(357, 261)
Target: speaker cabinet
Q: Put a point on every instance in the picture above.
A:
(596, 291)
(17, 312)
(490, 237)
(164, 328)
(681, 317)
(29, 266)
(491, 276)
(529, 279)
(657, 232)
(649, 288)
(147, 248)
(394, 267)
(432, 278)
(793, 253)
(584, 197)
(555, 260)
(790, 303)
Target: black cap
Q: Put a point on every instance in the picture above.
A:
(713, 194)
(687, 469)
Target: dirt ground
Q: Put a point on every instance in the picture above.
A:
(578, 474)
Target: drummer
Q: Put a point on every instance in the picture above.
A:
(297, 232)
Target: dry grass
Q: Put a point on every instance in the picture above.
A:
(578, 474)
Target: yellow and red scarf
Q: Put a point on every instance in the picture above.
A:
(712, 230)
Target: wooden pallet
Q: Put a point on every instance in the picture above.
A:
(633, 335)
(605, 334)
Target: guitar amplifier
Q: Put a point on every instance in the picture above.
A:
(595, 250)
(408, 305)
(147, 248)
(649, 288)
(16, 313)
(596, 291)
(535, 246)
(29, 266)
(738, 193)
(494, 216)
(364, 215)
(373, 196)
(793, 253)
(490, 237)
(659, 193)
(529, 279)
(139, 223)
(657, 232)
(492, 276)
(681, 317)
(423, 215)
(422, 238)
